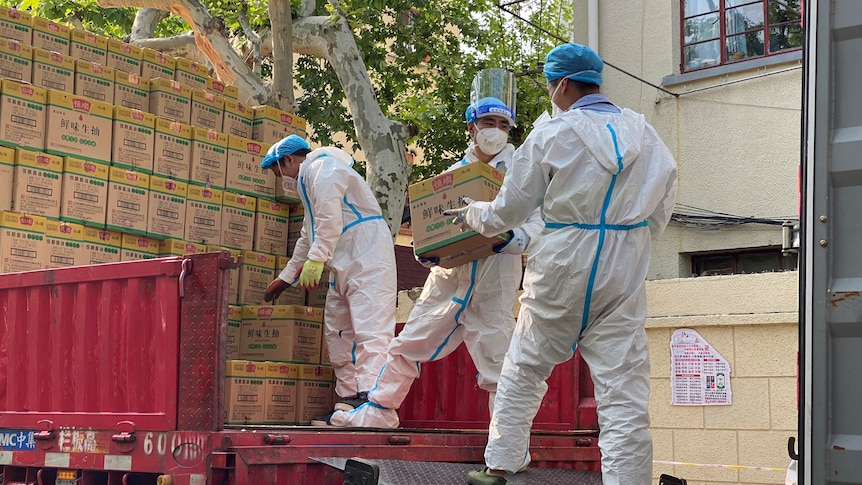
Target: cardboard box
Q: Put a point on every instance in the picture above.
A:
(88, 46)
(291, 195)
(294, 226)
(78, 127)
(272, 124)
(282, 333)
(255, 274)
(7, 177)
(155, 64)
(227, 90)
(170, 100)
(134, 139)
(135, 247)
(125, 57)
(173, 149)
(207, 109)
(203, 215)
(233, 296)
(316, 392)
(102, 245)
(16, 60)
(128, 201)
(22, 242)
(51, 36)
(167, 208)
(52, 70)
(270, 227)
(245, 393)
(237, 119)
(292, 295)
(22, 115)
(237, 222)
(38, 184)
(234, 322)
(244, 174)
(94, 81)
(434, 235)
(317, 297)
(208, 157)
(85, 192)
(281, 393)
(191, 74)
(16, 25)
(131, 90)
(65, 246)
(178, 247)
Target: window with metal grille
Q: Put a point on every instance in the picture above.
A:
(720, 32)
(740, 262)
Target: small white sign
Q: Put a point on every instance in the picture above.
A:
(699, 375)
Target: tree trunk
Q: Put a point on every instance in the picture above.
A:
(382, 140)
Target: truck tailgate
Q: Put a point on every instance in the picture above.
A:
(95, 346)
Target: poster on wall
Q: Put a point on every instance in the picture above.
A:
(699, 375)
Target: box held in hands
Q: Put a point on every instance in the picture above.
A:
(434, 234)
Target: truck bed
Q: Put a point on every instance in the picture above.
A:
(117, 371)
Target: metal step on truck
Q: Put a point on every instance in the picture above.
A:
(114, 374)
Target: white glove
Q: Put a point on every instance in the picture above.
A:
(517, 243)
(460, 213)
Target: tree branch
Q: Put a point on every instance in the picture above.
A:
(282, 55)
(144, 26)
(306, 8)
(251, 35)
(229, 67)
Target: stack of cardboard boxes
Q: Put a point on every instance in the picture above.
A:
(280, 347)
(110, 152)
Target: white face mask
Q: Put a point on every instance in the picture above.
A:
(288, 184)
(491, 140)
(555, 110)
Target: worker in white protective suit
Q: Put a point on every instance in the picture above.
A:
(344, 231)
(471, 303)
(606, 185)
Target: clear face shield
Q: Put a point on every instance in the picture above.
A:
(494, 83)
(492, 92)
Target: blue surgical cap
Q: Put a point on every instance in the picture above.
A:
(574, 61)
(487, 107)
(286, 146)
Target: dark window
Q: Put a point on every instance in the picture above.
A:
(719, 32)
(739, 262)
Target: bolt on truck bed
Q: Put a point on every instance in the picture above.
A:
(115, 374)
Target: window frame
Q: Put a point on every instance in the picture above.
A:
(735, 256)
(722, 35)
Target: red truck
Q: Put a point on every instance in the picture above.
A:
(114, 374)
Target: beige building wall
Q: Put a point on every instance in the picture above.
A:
(737, 146)
(751, 320)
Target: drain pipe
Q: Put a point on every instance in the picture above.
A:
(593, 25)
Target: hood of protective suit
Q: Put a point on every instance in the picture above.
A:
(608, 145)
(333, 152)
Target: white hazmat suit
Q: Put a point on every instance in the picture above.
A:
(344, 228)
(606, 185)
(471, 303)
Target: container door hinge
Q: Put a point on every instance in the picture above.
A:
(125, 437)
(277, 439)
